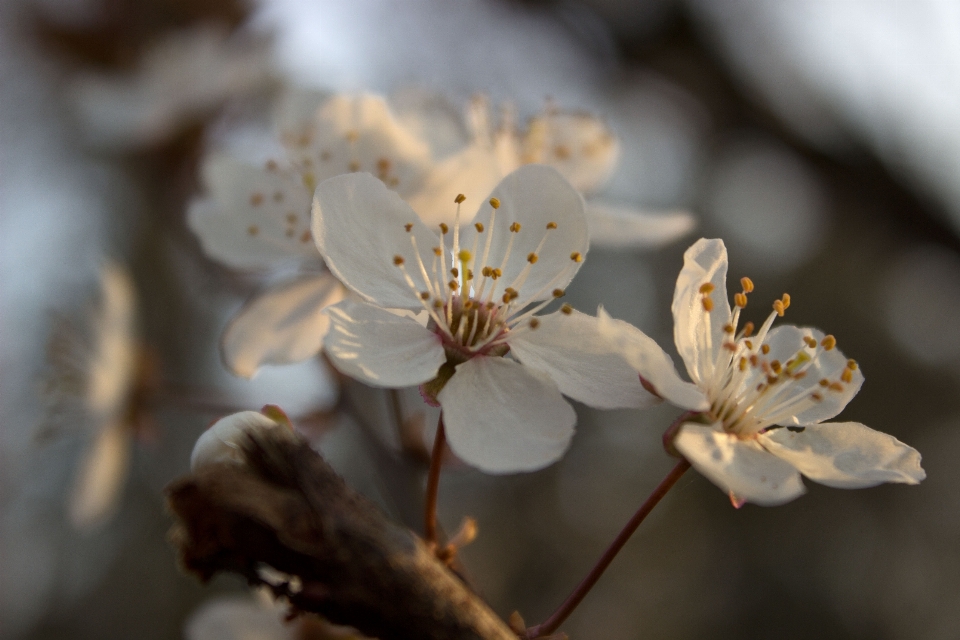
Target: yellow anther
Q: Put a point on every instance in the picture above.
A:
(511, 294)
(753, 360)
(728, 328)
(707, 304)
(437, 251)
(852, 365)
(354, 165)
(460, 198)
(464, 255)
(305, 236)
(454, 285)
(444, 228)
(496, 273)
(576, 256)
(486, 271)
(776, 366)
(408, 227)
(828, 342)
(779, 307)
(847, 375)
(309, 181)
(489, 306)
(747, 284)
(765, 349)
(566, 309)
(749, 344)
(479, 227)
(437, 304)
(824, 382)
(729, 346)
(785, 300)
(835, 386)
(706, 288)
(534, 323)
(271, 165)
(532, 258)
(494, 203)
(253, 229)
(468, 305)
(515, 227)
(383, 165)
(505, 298)
(747, 332)
(559, 293)
(743, 364)
(810, 341)
(551, 225)
(424, 295)
(398, 260)
(469, 274)
(256, 199)
(352, 135)
(740, 299)
(454, 272)
(816, 396)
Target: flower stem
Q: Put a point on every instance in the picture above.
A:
(433, 485)
(564, 610)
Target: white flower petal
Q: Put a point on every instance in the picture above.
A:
(581, 361)
(282, 325)
(742, 467)
(578, 145)
(221, 442)
(112, 361)
(651, 362)
(381, 348)
(98, 485)
(359, 133)
(846, 455)
(502, 417)
(474, 172)
(254, 217)
(359, 227)
(532, 196)
(705, 262)
(828, 366)
(616, 226)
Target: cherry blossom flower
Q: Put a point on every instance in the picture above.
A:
(98, 376)
(579, 145)
(257, 216)
(179, 78)
(455, 312)
(761, 396)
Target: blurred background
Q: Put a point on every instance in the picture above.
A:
(820, 139)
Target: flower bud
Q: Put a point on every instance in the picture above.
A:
(223, 440)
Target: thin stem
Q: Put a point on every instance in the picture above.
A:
(433, 485)
(564, 610)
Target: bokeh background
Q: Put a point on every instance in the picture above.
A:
(820, 139)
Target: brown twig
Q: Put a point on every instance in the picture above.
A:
(554, 621)
(285, 509)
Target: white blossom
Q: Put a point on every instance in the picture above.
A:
(455, 311)
(764, 395)
(579, 145)
(257, 216)
(223, 440)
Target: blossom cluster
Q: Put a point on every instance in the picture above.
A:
(448, 274)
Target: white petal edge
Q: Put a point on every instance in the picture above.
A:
(704, 262)
(846, 455)
(740, 467)
(581, 361)
(533, 196)
(502, 417)
(617, 227)
(359, 228)
(579, 145)
(381, 348)
(281, 325)
(650, 361)
(99, 482)
(222, 441)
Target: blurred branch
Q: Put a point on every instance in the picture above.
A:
(286, 509)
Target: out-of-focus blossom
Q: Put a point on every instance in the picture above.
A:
(474, 291)
(258, 216)
(579, 145)
(762, 396)
(182, 77)
(98, 377)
